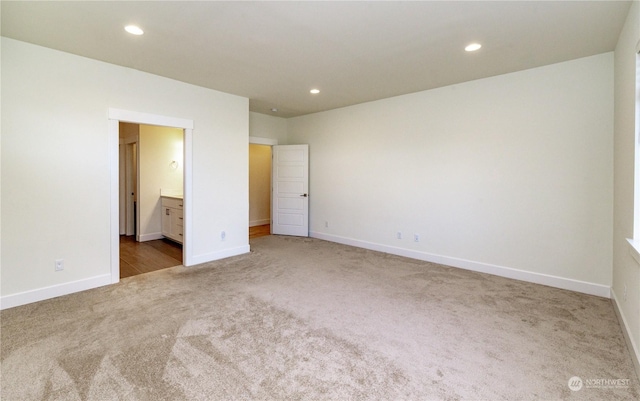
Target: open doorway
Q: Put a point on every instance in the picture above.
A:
(186, 126)
(152, 163)
(259, 190)
(278, 188)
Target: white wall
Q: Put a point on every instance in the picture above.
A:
(264, 126)
(510, 175)
(158, 148)
(56, 166)
(625, 269)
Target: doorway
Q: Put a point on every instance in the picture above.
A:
(153, 172)
(259, 190)
(285, 171)
(186, 126)
(144, 257)
(260, 157)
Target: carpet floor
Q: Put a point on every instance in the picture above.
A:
(305, 319)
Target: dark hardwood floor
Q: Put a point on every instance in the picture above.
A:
(144, 257)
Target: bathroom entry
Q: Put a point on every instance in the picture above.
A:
(151, 165)
(160, 173)
(151, 171)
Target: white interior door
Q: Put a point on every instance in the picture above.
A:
(290, 190)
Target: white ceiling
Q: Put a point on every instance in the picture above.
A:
(354, 52)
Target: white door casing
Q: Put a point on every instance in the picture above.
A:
(116, 115)
(290, 190)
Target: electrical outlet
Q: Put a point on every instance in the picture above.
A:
(399, 235)
(416, 237)
(326, 224)
(223, 236)
(59, 265)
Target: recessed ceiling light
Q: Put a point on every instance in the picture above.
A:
(134, 30)
(314, 91)
(274, 110)
(473, 47)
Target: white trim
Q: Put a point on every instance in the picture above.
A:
(636, 162)
(150, 237)
(40, 294)
(259, 222)
(626, 331)
(147, 118)
(531, 277)
(187, 201)
(634, 249)
(114, 188)
(225, 253)
(117, 115)
(258, 140)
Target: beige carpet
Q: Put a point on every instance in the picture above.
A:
(304, 319)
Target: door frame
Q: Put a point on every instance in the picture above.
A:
(114, 118)
(258, 140)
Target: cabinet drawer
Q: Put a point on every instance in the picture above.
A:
(177, 217)
(172, 202)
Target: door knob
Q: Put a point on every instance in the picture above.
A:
(304, 195)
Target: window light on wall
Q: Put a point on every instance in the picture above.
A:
(635, 242)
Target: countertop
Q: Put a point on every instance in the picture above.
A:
(177, 196)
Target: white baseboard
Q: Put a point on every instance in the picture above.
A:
(531, 277)
(40, 294)
(225, 253)
(150, 237)
(262, 222)
(626, 330)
